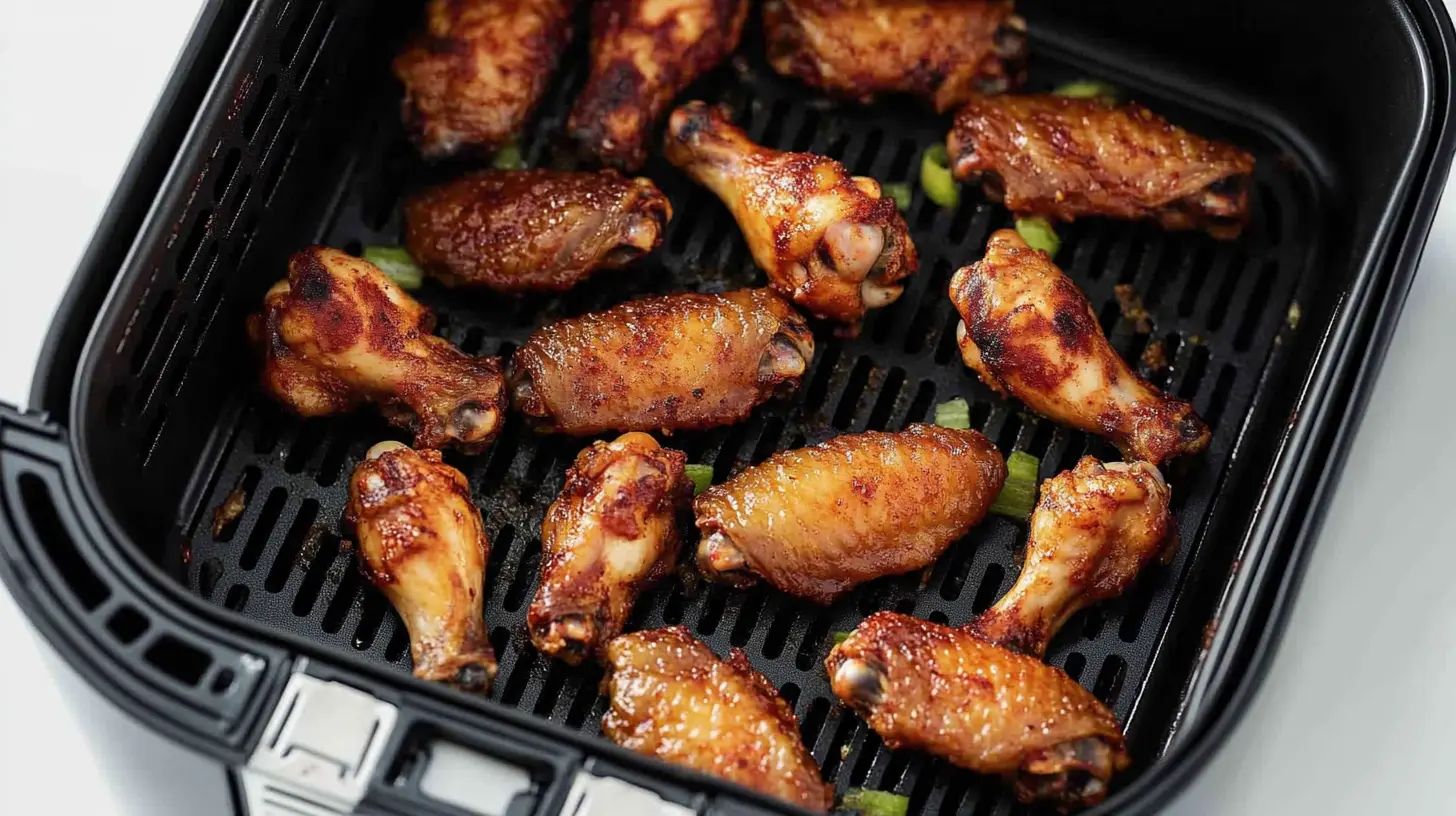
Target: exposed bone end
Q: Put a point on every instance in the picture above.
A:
(474, 677)
(571, 638)
(782, 361)
(878, 295)
(853, 249)
(860, 684)
(525, 397)
(1072, 774)
(473, 422)
(384, 447)
(721, 560)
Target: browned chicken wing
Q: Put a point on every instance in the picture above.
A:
(818, 521)
(944, 51)
(1069, 158)
(533, 230)
(673, 699)
(828, 240)
(475, 74)
(644, 53)
(676, 362)
(337, 333)
(934, 688)
(609, 535)
(1031, 334)
(1094, 529)
(422, 543)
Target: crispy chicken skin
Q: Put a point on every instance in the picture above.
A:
(422, 543)
(1095, 527)
(1030, 333)
(676, 362)
(944, 51)
(337, 333)
(475, 74)
(644, 53)
(934, 688)
(817, 521)
(533, 230)
(673, 699)
(1067, 158)
(609, 535)
(827, 240)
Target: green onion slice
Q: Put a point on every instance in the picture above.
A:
(508, 158)
(1087, 89)
(1038, 233)
(954, 413)
(936, 179)
(840, 637)
(875, 803)
(899, 192)
(396, 263)
(1018, 496)
(702, 476)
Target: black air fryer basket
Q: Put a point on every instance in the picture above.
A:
(277, 678)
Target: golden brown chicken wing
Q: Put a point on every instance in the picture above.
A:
(609, 535)
(337, 333)
(1069, 158)
(944, 51)
(673, 699)
(475, 74)
(1094, 529)
(1031, 334)
(663, 363)
(422, 543)
(644, 53)
(533, 230)
(943, 690)
(827, 240)
(817, 521)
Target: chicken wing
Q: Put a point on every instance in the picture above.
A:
(673, 699)
(533, 230)
(943, 690)
(1030, 333)
(817, 521)
(337, 333)
(644, 53)
(609, 535)
(422, 543)
(676, 362)
(475, 74)
(1069, 158)
(825, 239)
(1095, 527)
(944, 51)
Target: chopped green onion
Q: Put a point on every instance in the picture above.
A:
(875, 803)
(840, 637)
(1018, 496)
(936, 179)
(899, 192)
(397, 265)
(1038, 233)
(1087, 89)
(954, 413)
(702, 476)
(508, 158)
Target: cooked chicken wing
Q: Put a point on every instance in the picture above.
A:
(673, 699)
(826, 239)
(664, 363)
(1095, 527)
(337, 333)
(644, 53)
(1070, 158)
(422, 543)
(533, 230)
(609, 535)
(943, 690)
(475, 74)
(1031, 334)
(817, 521)
(943, 51)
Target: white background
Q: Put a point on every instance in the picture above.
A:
(1356, 715)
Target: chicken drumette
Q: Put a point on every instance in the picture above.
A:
(337, 333)
(644, 53)
(1030, 333)
(828, 240)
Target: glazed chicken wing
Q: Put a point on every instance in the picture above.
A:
(644, 53)
(337, 333)
(608, 536)
(673, 699)
(533, 230)
(817, 521)
(676, 362)
(1094, 529)
(422, 543)
(1069, 158)
(829, 241)
(1031, 334)
(944, 51)
(934, 688)
(475, 74)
